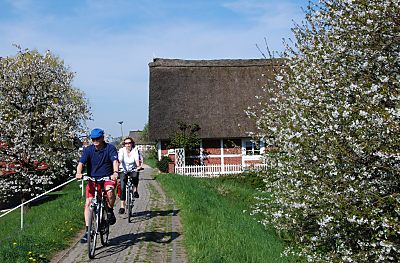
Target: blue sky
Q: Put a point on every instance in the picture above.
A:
(109, 43)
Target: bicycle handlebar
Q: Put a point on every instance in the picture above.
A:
(96, 179)
(134, 170)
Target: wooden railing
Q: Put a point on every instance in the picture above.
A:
(215, 170)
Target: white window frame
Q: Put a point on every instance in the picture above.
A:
(253, 156)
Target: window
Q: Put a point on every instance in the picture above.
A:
(252, 148)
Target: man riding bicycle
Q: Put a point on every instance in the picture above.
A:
(101, 159)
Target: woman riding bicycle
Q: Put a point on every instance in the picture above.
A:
(129, 160)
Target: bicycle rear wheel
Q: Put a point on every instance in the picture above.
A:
(104, 226)
(92, 231)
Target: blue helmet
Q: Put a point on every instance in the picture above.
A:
(96, 133)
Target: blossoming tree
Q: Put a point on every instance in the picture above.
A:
(41, 117)
(333, 113)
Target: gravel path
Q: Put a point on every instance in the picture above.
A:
(154, 235)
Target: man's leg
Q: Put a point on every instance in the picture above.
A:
(89, 197)
(87, 210)
(110, 186)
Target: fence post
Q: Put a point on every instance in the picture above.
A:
(22, 215)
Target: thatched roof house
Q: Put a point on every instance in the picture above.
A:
(140, 142)
(211, 93)
(137, 137)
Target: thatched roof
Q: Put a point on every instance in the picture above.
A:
(137, 137)
(211, 93)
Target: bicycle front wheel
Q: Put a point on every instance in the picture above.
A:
(130, 204)
(92, 231)
(104, 226)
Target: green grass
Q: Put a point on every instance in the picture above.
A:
(216, 221)
(150, 161)
(48, 227)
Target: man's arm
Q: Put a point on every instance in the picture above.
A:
(115, 168)
(79, 169)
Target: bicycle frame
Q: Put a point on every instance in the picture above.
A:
(98, 221)
(129, 197)
(129, 194)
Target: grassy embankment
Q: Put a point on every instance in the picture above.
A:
(48, 227)
(216, 220)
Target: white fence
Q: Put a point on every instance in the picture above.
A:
(215, 170)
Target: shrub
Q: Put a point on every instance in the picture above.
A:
(162, 165)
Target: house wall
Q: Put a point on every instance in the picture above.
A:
(219, 151)
(211, 147)
(162, 149)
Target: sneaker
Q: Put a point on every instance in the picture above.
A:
(121, 211)
(111, 217)
(136, 194)
(84, 238)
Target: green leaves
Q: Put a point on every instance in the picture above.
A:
(187, 137)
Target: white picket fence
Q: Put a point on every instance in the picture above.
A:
(215, 170)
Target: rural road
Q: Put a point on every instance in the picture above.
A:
(154, 235)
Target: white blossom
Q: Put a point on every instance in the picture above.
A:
(41, 116)
(335, 120)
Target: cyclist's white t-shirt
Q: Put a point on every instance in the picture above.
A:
(127, 163)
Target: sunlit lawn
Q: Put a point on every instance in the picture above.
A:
(48, 227)
(217, 223)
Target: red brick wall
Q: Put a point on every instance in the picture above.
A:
(232, 146)
(211, 147)
(252, 161)
(212, 160)
(164, 150)
(233, 160)
(227, 160)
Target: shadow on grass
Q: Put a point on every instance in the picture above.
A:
(45, 199)
(16, 201)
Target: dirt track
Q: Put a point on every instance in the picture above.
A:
(154, 235)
